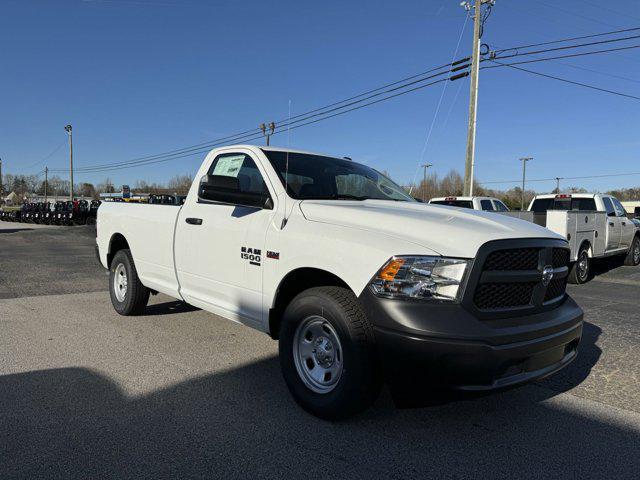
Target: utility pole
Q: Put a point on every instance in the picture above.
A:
(424, 182)
(272, 129)
(1, 185)
(46, 182)
(558, 184)
(473, 92)
(524, 161)
(69, 131)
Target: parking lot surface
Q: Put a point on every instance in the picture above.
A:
(181, 393)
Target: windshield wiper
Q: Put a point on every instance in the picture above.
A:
(346, 196)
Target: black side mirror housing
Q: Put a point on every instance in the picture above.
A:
(224, 189)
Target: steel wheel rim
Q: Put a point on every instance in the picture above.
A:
(636, 252)
(120, 282)
(583, 265)
(317, 354)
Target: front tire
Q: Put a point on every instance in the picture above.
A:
(128, 295)
(327, 353)
(581, 269)
(633, 256)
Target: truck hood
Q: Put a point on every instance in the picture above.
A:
(454, 232)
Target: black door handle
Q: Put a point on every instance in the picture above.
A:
(611, 224)
(624, 223)
(194, 221)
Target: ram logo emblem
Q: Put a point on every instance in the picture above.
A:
(547, 275)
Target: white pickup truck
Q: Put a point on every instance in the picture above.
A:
(358, 281)
(488, 204)
(595, 225)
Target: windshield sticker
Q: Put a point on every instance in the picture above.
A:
(229, 166)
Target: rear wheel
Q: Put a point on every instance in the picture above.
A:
(581, 269)
(128, 295)
(633, 256)
(327, 353)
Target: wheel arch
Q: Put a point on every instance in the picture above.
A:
(586, 243)
(116, 243)
(295, 282)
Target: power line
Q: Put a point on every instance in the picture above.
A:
(568, 81)
(571, 39)
(581, 54)
(284, 127)
(47, 157)
(198, 148)
(570, 55)
(301, 118)
(566, 47)
(583, 177)
(575, 14)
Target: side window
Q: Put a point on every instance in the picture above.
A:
(608, 206)
(620, 211)
(486, 205)
(242, 167)
(501, 207)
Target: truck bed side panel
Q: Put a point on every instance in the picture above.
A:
(149, 231)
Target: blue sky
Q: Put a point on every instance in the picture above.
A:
(141, 77)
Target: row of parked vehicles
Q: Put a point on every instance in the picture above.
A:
(76, 212)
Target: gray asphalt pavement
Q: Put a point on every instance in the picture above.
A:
(181, 393)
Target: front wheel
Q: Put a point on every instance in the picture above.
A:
(633, 256)
(327, 353)
(128, 295)
(581, 269)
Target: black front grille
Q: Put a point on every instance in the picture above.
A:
(555, 289)
(513, 259)
(512, 278)
(503, 295)
(560, 257)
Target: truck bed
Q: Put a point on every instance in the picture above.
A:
(574, 225)
(149, 229)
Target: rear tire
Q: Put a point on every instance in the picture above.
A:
(327, 353)
(581, 269)
(633, 256)
(128, 295)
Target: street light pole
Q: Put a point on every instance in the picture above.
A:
(424, 182)
(69, 131)
(524, 161)
(558, 184)
(46, 182)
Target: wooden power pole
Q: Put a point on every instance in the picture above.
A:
(473, 93)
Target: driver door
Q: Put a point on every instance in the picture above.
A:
(219, 247)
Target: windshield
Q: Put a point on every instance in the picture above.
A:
(317, 177)
(453, 203)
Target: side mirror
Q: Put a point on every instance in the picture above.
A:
(224, 189)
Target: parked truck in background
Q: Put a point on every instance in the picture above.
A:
(357, 281)
(488, 204)
(595, 225)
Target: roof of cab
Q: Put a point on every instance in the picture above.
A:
(568, 195)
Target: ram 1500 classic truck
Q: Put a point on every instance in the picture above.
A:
(488, 204)
(595, 225)
(358, 281)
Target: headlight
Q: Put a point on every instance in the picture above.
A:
(424, 278)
